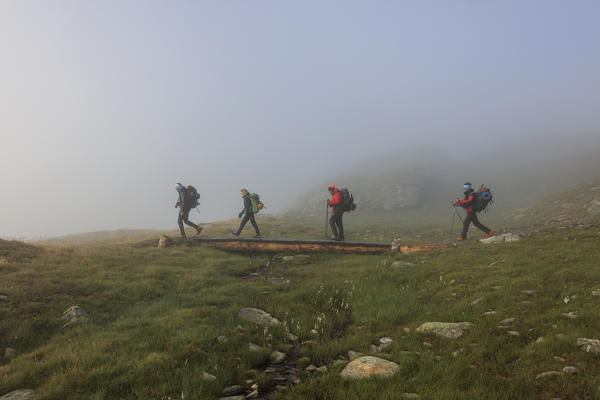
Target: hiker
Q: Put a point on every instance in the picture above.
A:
(248, 213)
(467, 203)
(188, 199)
(337, 210)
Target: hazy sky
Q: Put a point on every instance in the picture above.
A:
(104, 105)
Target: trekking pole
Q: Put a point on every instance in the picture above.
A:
(456, 212)
(326, 213)
(452, 225)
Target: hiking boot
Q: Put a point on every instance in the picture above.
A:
(339, 239)
(461, 238)
(333, 238)
(182, 237)
(235, 234)
(490, 233)
(258, 235)
(198, 230)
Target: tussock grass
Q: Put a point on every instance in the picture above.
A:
(155, 316)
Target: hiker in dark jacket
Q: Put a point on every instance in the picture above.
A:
(335, 221)
(467, 204)
(248, 214)
(184, 210)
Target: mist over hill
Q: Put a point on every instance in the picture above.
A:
(419, 184)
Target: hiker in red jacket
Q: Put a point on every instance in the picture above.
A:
(335, 221)
(467, 204)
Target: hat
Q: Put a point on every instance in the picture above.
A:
(331, 188)
(467, 185)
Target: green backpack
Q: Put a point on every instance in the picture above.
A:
(256, 203)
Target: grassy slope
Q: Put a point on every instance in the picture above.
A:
(155, 317)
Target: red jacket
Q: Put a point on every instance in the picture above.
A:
(337, 201)
(466, 203)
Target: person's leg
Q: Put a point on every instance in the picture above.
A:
(242, 224)
(253, 222)
(479, 224)
(332, 224)
(466, 224)
(180, 223)
(340, 225)
(186, 215)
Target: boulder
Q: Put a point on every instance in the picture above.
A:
(257, 316)
(74, 315)
(570, 370)
(254, 348)
(21, 394)
(9, 353)
(207, 377)
(277, 357)
(402, 264)
(165, 241)
(450, 330)
(589, 345)
(369, 366)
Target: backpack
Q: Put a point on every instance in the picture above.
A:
(192, 197)
(257, 205)
(482, 199)
(349, 204)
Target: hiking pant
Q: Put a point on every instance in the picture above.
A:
(183, 217)
(472, 217)
(335, 221)
(248, 216)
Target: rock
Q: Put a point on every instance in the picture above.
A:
(9, 353)
(310, 368)
(549, 374)
(303, 256)
(207, 377)
(513, 333)
(288, 258)
(402, 264)
(570, 370)
(427, 344)
(277, 357)
(254, 348)
(595, 293)
(252, 395)
(303, 362)
(291, 337)
(337, 363)
(507, 321)
(369, 366)
(458, 352)
(257, 316)
(488, 313)
(406, 330)
(528, 292)
(566, 300)
(373, 349)
(165, 242)
(497, 287)
(322, 369)
(589, 345)
(4, 299)
(559, 359)
(570, 315)
(75, 315)
(281, 388)
(476, 301)
(254, 386)
(412, 396)
(386, 340)
(21, 394)
(233, 390)
(541, 339)
(507, 237)
(450, 330)
(222, 339)
(352, 355)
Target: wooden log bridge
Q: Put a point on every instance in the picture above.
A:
(271, 245)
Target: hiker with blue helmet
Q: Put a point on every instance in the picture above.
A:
(185, 204)
(467, 203)
(248, 213)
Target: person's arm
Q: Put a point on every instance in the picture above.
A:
(182, 199)
(465, 202)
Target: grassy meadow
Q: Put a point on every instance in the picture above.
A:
(155, 316)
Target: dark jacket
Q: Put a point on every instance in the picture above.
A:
(467, 202)
(182, 204)
(247, 205)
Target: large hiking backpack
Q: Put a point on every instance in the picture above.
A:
(483, 198)
(348, 204)
(192, 197)
(257, 205)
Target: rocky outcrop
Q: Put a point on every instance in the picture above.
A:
(369, 366)
(589, 345)
(165, 241)
(450, 330)
(74, 315)
(21, 394)
(257, 316)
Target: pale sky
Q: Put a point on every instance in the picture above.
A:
(105, 105)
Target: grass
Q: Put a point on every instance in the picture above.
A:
(155, 316)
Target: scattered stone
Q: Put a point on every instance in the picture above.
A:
(566, 300)
(277, 357)
(233, 390)
(75, 315)
(559, 359)
(549, 374)
(402, 264)
(252, 395)
(513, 333)
(412, 396)
(373, 349)
(165, 241)
(254, 386)
(487, 313)
(369, 366)
(291, 337)
(21, 394)
(288, 258)
(304, 256)
(222, 339)
(339, 362)
(497, 287)
(270, 370)
(451, 282)
(528, 292)
(4, 299)
(385, 342)
(589, 345)
(450, 330)
(257, 316)
(570, 315)
(281, 388)
(352, 355)
(9, 353)
(406, 329)
(507, 321)
(560, 335)
(207, 377)
(476, 301)
(507, 237)
(427, 344)
(322, 369)
(458, 352)
(541, 339)
(302, 362)
(254, 348)
(570, 370)
(310, 368)
(596, 293)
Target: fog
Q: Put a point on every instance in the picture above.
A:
(106, 105)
